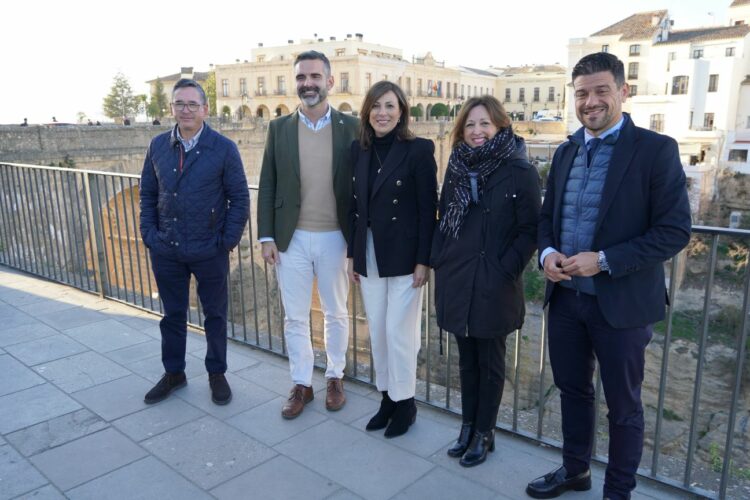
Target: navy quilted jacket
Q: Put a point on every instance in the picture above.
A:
(189, 214)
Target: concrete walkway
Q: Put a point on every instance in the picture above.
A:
(73, 372)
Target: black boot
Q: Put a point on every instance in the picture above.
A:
(464, 438)
(403, 416)
(476, 453)
(381, 418)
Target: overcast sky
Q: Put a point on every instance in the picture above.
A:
(58, 58)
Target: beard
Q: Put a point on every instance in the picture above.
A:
(312, 100)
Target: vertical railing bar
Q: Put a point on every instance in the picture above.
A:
(733, 407)
(45, 241)
(81, 215)
(52, 183)
(282, 313)
(113, 260)
(12, 226)
(428, 345)
(542, 370)
(268, 306)
(231, 295)
(71, 227)
(664, 365)
(597, 402)
(448, 371)
(34, 247)
(242, 291)
(699, 366)
(67, 256)
(51, 228)
(147, 253)
(354, 290)
(28, 253)
(516, 375)
(252, 274)
(191, 284)
(136, 239)
(92, 233)
(110, 261)
(127, 239)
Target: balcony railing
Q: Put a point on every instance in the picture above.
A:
(81, 228)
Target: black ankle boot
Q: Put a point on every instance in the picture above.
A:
(464, 438)
(403, 416)
(476, 453)
(381, 418)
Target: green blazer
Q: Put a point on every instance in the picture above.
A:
(279, 187)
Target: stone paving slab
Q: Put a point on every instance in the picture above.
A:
(265, 423)
(46, 306)
(71, 318)
(13, 317)
(208, 451)
(81, 371)
(152, 368)
(245, 395)
(273, 479)
(145, 479)
(441, 483)
(17, 475)
(56, 431)
(337, 451)
(107, 335)
(115, 399)
(46, 349)
(48, 492)
(135, 353)
(31, 331)
(86, 458)
(158, 418)
(15, 376)
(31, 406)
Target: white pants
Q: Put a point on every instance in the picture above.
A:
(322, 255)
(393, 310)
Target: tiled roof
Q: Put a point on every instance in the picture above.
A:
(737, 3)
(707, 34)
(198, 76)
(539, 68)
(639, 26)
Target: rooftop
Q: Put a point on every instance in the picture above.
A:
(639, 26)
(706, 34)
(73, 423)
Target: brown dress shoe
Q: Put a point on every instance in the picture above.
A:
(335, 397)
(299, 396)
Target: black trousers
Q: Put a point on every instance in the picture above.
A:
(481, 365)
(578, 332)
(173, 279)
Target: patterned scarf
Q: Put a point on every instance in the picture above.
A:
(469, 169)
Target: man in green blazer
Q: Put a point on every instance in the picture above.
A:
(303, 203)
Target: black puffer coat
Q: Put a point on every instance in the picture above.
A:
(478, 276)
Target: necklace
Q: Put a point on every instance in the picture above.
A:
(378, 157)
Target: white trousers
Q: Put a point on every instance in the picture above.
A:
(321, 255)
(394, 311)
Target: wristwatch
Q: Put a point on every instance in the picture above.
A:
(602, 261)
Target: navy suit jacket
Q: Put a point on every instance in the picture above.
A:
(644, 219)
(401, 209)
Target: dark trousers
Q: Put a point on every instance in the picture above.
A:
(173, 279)
(481, 365)
(577, 333)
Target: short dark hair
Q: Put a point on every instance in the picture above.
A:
(598, 62)
(498, 116)
(313, 55)
(377, 91)
(189, 82)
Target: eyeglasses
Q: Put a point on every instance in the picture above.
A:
(192, 106)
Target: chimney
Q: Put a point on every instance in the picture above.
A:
(359, 36)
(186, 72)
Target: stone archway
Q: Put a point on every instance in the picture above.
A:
(263, 112)
(427, 113)
(243, 112)
(281, 110)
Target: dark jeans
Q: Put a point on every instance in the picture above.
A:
(577, 333)
(481, 365)
(173, 279)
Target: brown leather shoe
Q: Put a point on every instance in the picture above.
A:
(299, 396)
(335, 397)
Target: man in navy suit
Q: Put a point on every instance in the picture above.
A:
(615, 209)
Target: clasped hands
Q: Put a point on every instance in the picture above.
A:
(559, 267)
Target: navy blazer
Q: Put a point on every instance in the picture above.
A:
(644, 220)
(401, 208)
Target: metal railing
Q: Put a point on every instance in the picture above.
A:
(80, 228)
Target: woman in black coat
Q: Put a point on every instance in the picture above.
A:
(392, 219)
(488, 213)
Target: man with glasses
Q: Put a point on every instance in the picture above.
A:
(303, 203)
(194, 207)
